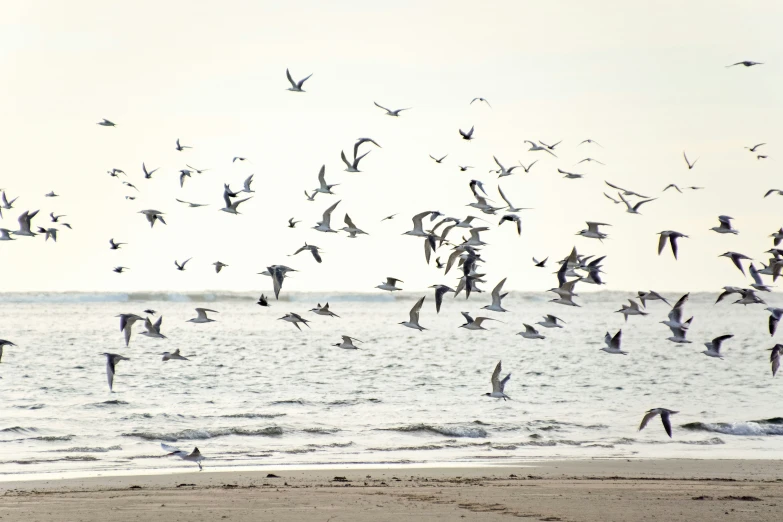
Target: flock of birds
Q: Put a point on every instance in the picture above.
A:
(465, 255)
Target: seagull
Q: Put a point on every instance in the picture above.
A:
(126, 324)
(527, 169)
(390, 112)
(295, 319)
(347, 343)
(735, 258)
(352, 167)
(413, 322)
(589, 141)
(512, 217)
(713, 347)
(438, 160)
(497, 297)
(106, 123)
(725, 226)
(774, 357)
(775, 315)
(390, 284)
(664, 413)
(749, 297)
(153, 330)
(592, 230)
(314, 250)
(650, 296)
(675, 314)
(570, 175)
(181, 267)
(613, 343)
(182, 147)
(530, 332)
(466, 135)
(323, 225)
(671, 236)
(173, 356)
(24, 224)
(153, 216)
(323, 310)
(440, 291)
(324, 188)
(351, 228)
(550, 321)
(295, 86)
(202, 316)
(690, 165)
(3, 343)
(497, 385)
(534, 147)
(192, 205)
(630, 310)
(540, 264)
(590, 160)
(219, 266)
(194, 456)
(474, 324)
(111, 362)
(262, 301)
(481, 100)
(746, 63)
(678, 334)
(119, 269)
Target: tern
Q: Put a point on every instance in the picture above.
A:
(413, 322)
(650, 296)
(510, 208)
(613, 343)
(678, 189)
(672, 237)
(474, 324)
(439, 160)
(633, 309)
(418, 227)
(24, 224)
(182, 175)
(679, 333)
(347, 343)
(690, 165)
(530, 332)
(635, 208)
(665, 419)
(3, 343)
(758, 283)
(147, 173)
(514, 218)
(219, 266)
(106, 123)
(735, 258)
(746, 63)
(498, 386)
(675, 314)
(314, 250)
(262, 301)
(324, 224)
(754, 147)
(310, 197)
(277, 273)
(570, 175)
(540, 264)
(296, 86)
(153, 330)
(713, 347)
(50, 233)
(323, 310)
(246, 184)
(324, 188)
(592, 230)
(589, 141)
(231, 206)
(111, 362)
(389, 285)
(480, 100)
(466, 135)
(774, 357)
(550, 321)
(497, 297)
(295, 319)
(4, 235)
(440, 291)
(292, 223)
(535, 147)
(352, 167)
(775, 315)
(182, 147)
(240, 158)
(5, 204)
(126, 324)
(202, 316)
(464, 168)
(352, 229)
(181, 267)
(192, 205)
(550, 147)
(590, 160)
(153, 216)
(749, 297)
(389, 112)
(527, 169)
(727, 291)
(194, 456)
(194, 169)
(725, 226)
(363, 140)
(114, 172)
(175, 356)
(626, 192)
(120, 269)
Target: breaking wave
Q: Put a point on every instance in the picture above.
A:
(449, 431)
(773, 426)
(272, 431)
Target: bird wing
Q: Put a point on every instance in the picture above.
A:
(328, 214)
(667, 424)
(348, 221)
(322, 177)
(345, 160)
(639, 204)
(719, 340)
(288, 75)
(495, 380)
(616, 340)
(774, 358)
(467, 317)
(381, 106)
(650, 414)
(755, 275)
(415, 311)
(110, 370)
(158, 323)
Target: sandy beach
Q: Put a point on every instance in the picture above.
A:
(595, 490)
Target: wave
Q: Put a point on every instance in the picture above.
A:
(449, 431)
(253, 415)
(321, 431)
(30, 407)
(53, 438)
(272, 431)
(103, 404)
(87, 449)
(772, 426)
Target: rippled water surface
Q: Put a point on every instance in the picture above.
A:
(258, 392)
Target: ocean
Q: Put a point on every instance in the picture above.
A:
(256, 392)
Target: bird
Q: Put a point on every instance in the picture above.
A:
(115, 173)
(413, 322)
(464, 168)
(324, 224)
(633, 309)
(690, 165)
(650, 296)
(672, 237)
(746, 63)
(5, 204)
(153, 216)
(391, 112)
(292, 223)
(775, 315)
(52, 195)
(498, 386)
(5, 235)
(440, 291)
(352, 229)
(324, 188)
(147, 173)
(758, 283)
(754, 147)
(192, 205)
(678, 189)
(510, 208)
(389, 285)
(664, 413)
(3, 343)
(678, 334)
(439, 160)
(173, 356)
(466, 135)
(126, 324)
(277, 273)
(535, 147)
(106, 123)
(347, 343)
(613, 343)
(635, 208)
(194, 456)
(527, 169)
(725, 226)
(153, 330)
(323, 310)
(219, 266)
(49, 232)
(550, 321)
(592, 230)
(361, 141)
(514, 218)
(181, 267)
(540, 264)
(182, 147)
(590, 160)
(480, 100)
(295, 319)
(296, 86)
(182, 175)
(120, 269)
(240, 158)
(314, 250)
(589, 141)
(310, 197)
(735, 258)
(626, 192)
(713, 347)
(194, 169)
(246, 184)
(774, 357)
(770, 191)
(570, 175)
(111, 362)
(530, 332)
(550, 147)
(24, 224)
(262, 301)
(231, 206)
(202, 316)
(150, 311)
(474, 324)
(497, 297)
(352, 166)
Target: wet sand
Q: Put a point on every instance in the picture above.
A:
(594, 490)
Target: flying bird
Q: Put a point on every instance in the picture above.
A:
(713, 347)
(438, 160)
(690, 165)
(194, 456)
(111, 362)
(181, 267)
(664, 413)
(498, 386)
(3, 343)
(182, 147)
(672, 237)
(391, 112)
(480, 100)
(219, 266)
(466, 135)
(725, 226)
(413, 322)
(202, 316)
(296, 86)
(613, 343)
(314, 250)
(106, 123)
(746, 63)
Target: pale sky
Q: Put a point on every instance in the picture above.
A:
(646, 81)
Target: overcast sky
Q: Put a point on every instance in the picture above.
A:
(646, 81)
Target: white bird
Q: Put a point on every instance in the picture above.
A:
(182, 147)
(323, 310)
(633, 309)
(296, 86)
(5, 204)
(413, 322)
(314, 250)
(231, 206)
(175, 356)
(106, 123)
(514, 219)
(589, 160)
(625, 192)
(474, 324)
(219, 266)
(324, 188)
(497, 297)
(725, 226)
(3, 343)
(774, 357)
(530, 332)
(588, 141)
(324, 224)
(147, 173)
(736, 258)
(153, 216)
(126, 323)
(635, 208)
(295, 319)
(202, 316)
(352, 229)
(498, 386)
(675, 314)
(24, 224)
(277, 273)
(672, 237)
(153, 330)
(550, 321)
(503, 171)
(776, 314)
(192, 205)
(347, 343)
(440, 291)
(481, 100)
(613, 343)
(592, 230)
(111, 362)
(4, 235)
(570, 175)
(389, 285)
(510, 208)
(418, 227)
(758, 283)
(664, 413)
(650, 296)
(527, 169)
(713, 347)
(246, 184)
(535, 147)
(352, 166)
(194, 456)
(391, 112)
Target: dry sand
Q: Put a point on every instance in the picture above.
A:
(595, 490)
